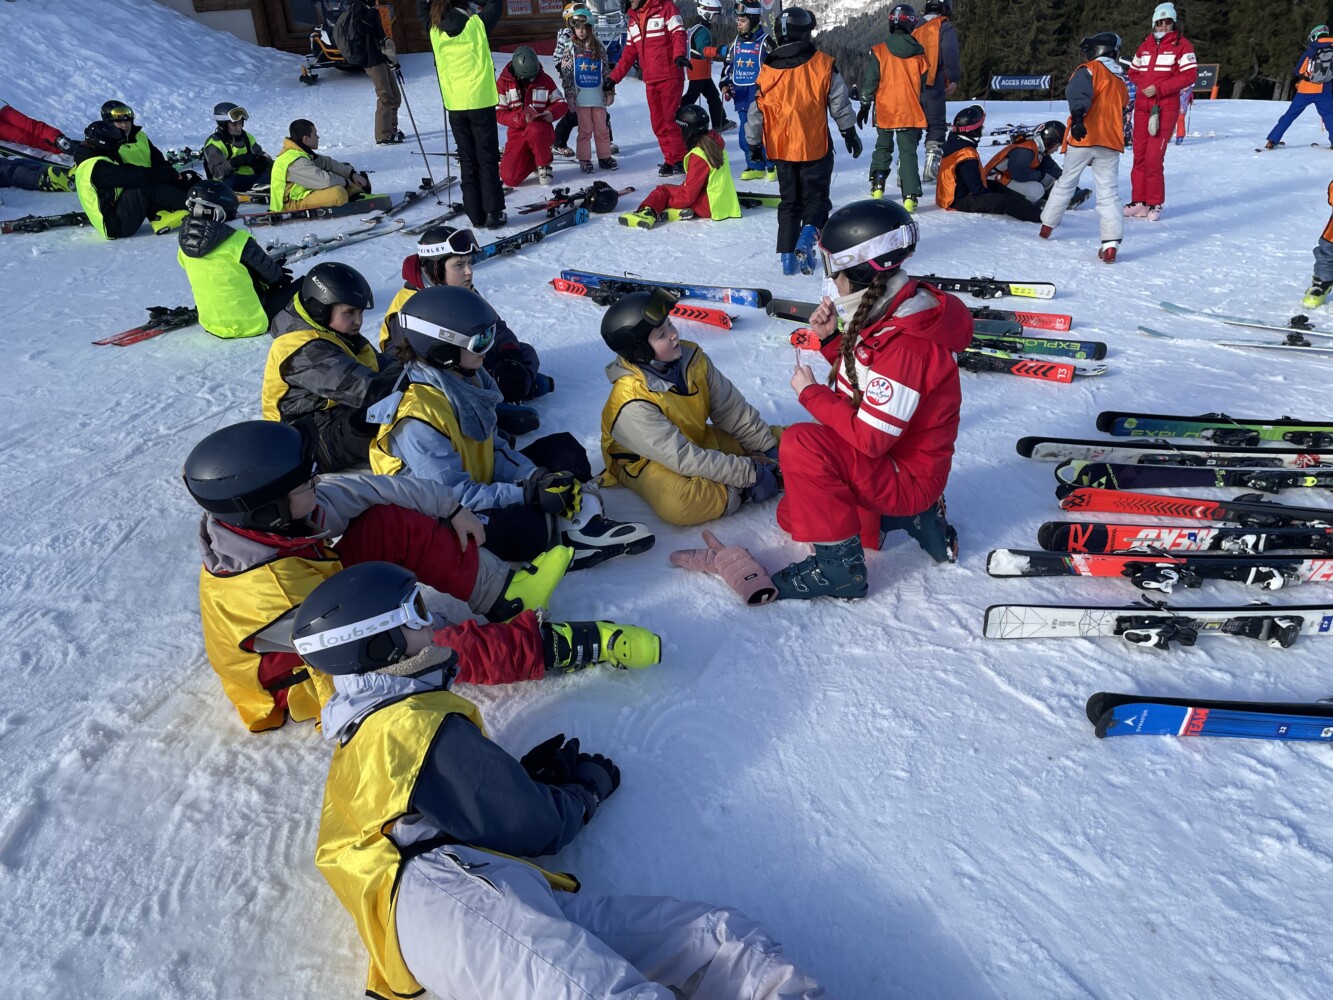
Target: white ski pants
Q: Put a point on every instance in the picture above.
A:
(474, 926)
(1105, 163)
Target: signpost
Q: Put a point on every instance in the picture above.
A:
(1020, 81)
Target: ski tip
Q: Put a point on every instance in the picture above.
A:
(1025, 445)
(1098, 706)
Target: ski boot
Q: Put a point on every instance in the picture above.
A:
(585, 166)
(664, 169)
(837, 569)
(1108, 252)
(771, 173)
(1316, 293)
(1154, 213)
(789, 265)
(931, 529)
(595, 538)
(615, 150)
(515, 419)
(608, 163)
(934, 154)
(752, 174)
(877, 181)
(679, 214)
(1080, 196)
(805, 249)
(1045, 231)
(531, 585)
(571, 646)
(909, 203)
(494, 220)
(545, 175)
(1136, 210)
(564, 151)
(165, 221)
(643, 218)
(726, 126)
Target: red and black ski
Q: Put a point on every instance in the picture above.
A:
(681, 310)
(1166, 571)
(1249, 510)
(161, 319)
(1087, 536)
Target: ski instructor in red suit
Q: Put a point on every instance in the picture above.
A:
(656, 41)
(1163, 66)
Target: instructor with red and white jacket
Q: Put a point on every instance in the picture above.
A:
(1163, 66)
(656, 41)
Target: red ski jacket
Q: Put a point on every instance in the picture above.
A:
(515, 102)
(655, 40)
(1168, 64)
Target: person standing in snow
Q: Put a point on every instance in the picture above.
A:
(879, 454)
(528, 104)
(427, 825)
(303, 178)
(272, 531)
(892, 82)
(1323, 264)
(943, 71)
(585, 68)
(708, 191)
(381, 61)
(702, 51)
(1164, 66)
(799, 87)
(740, 75)
(466, 72)
(656, 44)
(1097, 96)
(116, 196)
(1314, 85)
(231, 154)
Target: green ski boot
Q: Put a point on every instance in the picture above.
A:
(531, 585)
(572, 646)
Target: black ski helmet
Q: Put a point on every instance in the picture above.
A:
(117, 111)
(867, 237)
(752, 10)
(1105, 44)
(903, 18)
(970, 120)
(226, 111)
(103, 137)
(242, 474)
(693, 122)
(353, 622)
(796, 24)
(1050, 135)
(525, 65)
(629, 321)
(438, 322)
(937, 7)
(332, 284)
(212, 199)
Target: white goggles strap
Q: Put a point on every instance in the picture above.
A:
(895, 239)
(405, 614)
(477, 343)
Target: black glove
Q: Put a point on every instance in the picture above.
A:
(514, 380)
(608, 87)
(286, 275)
(853, 142)
(598, 775)
(683, 62)
(758, 153)
(189, 177)
(552, 492)
(552, 762)
(863, 115)
(1077, 129)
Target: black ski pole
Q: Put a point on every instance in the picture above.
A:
(402, 88)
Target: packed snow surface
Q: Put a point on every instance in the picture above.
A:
(916, 811)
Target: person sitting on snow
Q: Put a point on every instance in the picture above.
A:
(708, 191)
(960, 186)
(1027, 165)
(302, 178)
(231, 154)
(117, 197)
(528, 105)
(137, 150)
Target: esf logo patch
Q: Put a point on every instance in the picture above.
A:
(879, 391)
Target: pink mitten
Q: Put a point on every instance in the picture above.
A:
(734, 564)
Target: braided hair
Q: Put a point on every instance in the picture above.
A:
(852, 332)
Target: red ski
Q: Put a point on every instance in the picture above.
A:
(1061, 322)
(161, 319)
(681, 310)
(1249, 510)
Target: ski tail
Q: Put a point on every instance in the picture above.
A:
(1045, 371)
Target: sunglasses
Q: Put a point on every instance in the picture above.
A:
(478, 341)
(410, 613)
(121, 114)
(460, 241)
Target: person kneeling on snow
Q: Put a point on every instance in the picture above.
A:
(237, 287)
(268, 540)
(322, 370)
(117, 197)
(443, 429)
(674, 429)
(302, 178)
(960, 186)
(528, 105)
(708, 191)
(880, 453)
(426, 824)
(444, 257)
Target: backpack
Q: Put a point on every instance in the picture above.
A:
(1320, 69)
(349, 36)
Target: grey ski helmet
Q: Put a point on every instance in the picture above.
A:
(103, 137)
(331, 284)
(796, 24)
(1050, 135)
(1105, 44)
(525, 65)
(242, 474)
(117, 111)
(228, 112)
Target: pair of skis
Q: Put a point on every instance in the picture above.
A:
(515, 242)
(375, 207)
(161, 319)
(607, 293)
(1297, 331)
(313, 246)
(41, 223)
(756, 298)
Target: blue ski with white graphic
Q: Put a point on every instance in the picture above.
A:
(1137, 715)
(755, 297)
(515, 242)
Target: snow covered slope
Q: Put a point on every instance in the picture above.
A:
(915, 810)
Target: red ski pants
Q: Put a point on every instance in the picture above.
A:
(663, 102)
(1147, 180)
(834, 491)
(526, 149)
(426, 546)
(497, 654)
(15, 126)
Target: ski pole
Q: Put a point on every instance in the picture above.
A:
(402, 87)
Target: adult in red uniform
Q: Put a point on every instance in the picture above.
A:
(884, 441)
(528, 105)
(1163, 66)
(656, 41)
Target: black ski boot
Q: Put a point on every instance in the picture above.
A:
(930, 528)
(837, 569)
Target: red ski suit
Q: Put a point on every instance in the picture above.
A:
(529, 139)
(1168, 65)
(17, 127)
(891, 455)
(655, 40)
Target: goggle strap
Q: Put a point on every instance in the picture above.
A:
(443, 333)
(411, 613)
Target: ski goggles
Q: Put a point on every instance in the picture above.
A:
(234, 115)
(865, 253)
(459, 242)
(123, 113)
(478, 341)
(656, 311)
(411, 613)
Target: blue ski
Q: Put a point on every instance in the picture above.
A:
(1136, 715)
(517, 241)
(755, 297)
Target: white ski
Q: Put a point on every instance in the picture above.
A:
(1276, 345)
(1258, 324)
